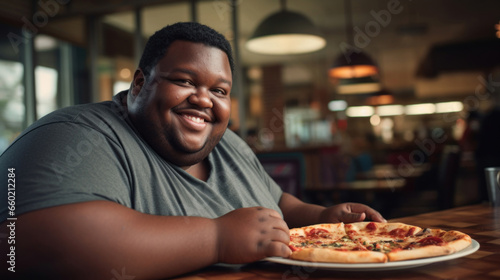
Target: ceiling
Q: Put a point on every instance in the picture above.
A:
(397, 34)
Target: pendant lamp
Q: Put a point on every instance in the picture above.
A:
(361, 85)
(382, 97)
(285, 32)
(354, 64)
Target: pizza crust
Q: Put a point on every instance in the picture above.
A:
(335, 256)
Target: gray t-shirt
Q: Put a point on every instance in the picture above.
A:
(92, 152)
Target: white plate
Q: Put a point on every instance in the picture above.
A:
(378, 266)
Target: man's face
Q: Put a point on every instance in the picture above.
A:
(182, 109)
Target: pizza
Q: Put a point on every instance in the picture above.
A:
(372, 242)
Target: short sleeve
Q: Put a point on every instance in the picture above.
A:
(64, 162)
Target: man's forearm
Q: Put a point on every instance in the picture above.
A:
(96, 240)
(297, 213)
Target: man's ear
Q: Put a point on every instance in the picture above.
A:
(138, 82)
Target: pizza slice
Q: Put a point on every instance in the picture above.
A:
(382, 237)
(431, 243)
(329, 243)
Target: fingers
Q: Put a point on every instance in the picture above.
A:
(280, 224)
(277, 249)
(371, 214)
(275, 235)
(353, 217)
(276, 243)
(376, 217)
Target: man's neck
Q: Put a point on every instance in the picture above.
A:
(199, 170)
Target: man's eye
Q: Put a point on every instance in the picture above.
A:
(183, 82)
(220, 91)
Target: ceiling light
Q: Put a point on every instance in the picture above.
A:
(390, 110)
(358, 86)
(382, 97)
(354, 66)
(355, 63)
(360, 111)
(420, 109)
(337, 105)
(285, 32)
(449, 107)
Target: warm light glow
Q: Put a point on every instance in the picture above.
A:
(448, 107)
(360, 111)
(125, 73)
(387, 123)
(420, 109)
(337, 105)
(380, 100)
(358, 88)
(387, 126)
(354, 71)
(282, 44)
(390, 110)
(374, 120)
(255, 105)
(395, 110)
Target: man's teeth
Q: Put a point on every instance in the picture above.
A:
(196, 119)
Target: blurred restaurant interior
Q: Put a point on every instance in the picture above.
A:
(406, 134)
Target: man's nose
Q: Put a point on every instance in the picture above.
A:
(201, 98)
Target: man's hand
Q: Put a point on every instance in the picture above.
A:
(249, 234)
(350, 213)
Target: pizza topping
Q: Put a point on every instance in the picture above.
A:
(398, 232)
(371, 226)
(293, 248)
(431, 240)
(321, 232)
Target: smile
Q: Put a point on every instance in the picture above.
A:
(194, 122)
(195, 119)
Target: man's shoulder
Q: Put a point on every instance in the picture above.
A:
(89, 114)
(105, 117)
(83, 111)
(232, 142)
(232, 139)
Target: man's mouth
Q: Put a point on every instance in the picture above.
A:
(194, 119)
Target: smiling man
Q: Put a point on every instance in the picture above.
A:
(184, 112)
(151, 184)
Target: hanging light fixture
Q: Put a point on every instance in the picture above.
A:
(382, 97)
(363, 85)
(355, 64)
(285, 32)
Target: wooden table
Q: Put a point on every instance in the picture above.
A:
(481, 222)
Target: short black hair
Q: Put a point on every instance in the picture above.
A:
(159, 42)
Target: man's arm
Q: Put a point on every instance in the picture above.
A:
(96, 240)
(298, 213)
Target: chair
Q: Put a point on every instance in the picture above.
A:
(437, 191)
(287, 170)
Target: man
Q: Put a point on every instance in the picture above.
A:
(151, 183)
